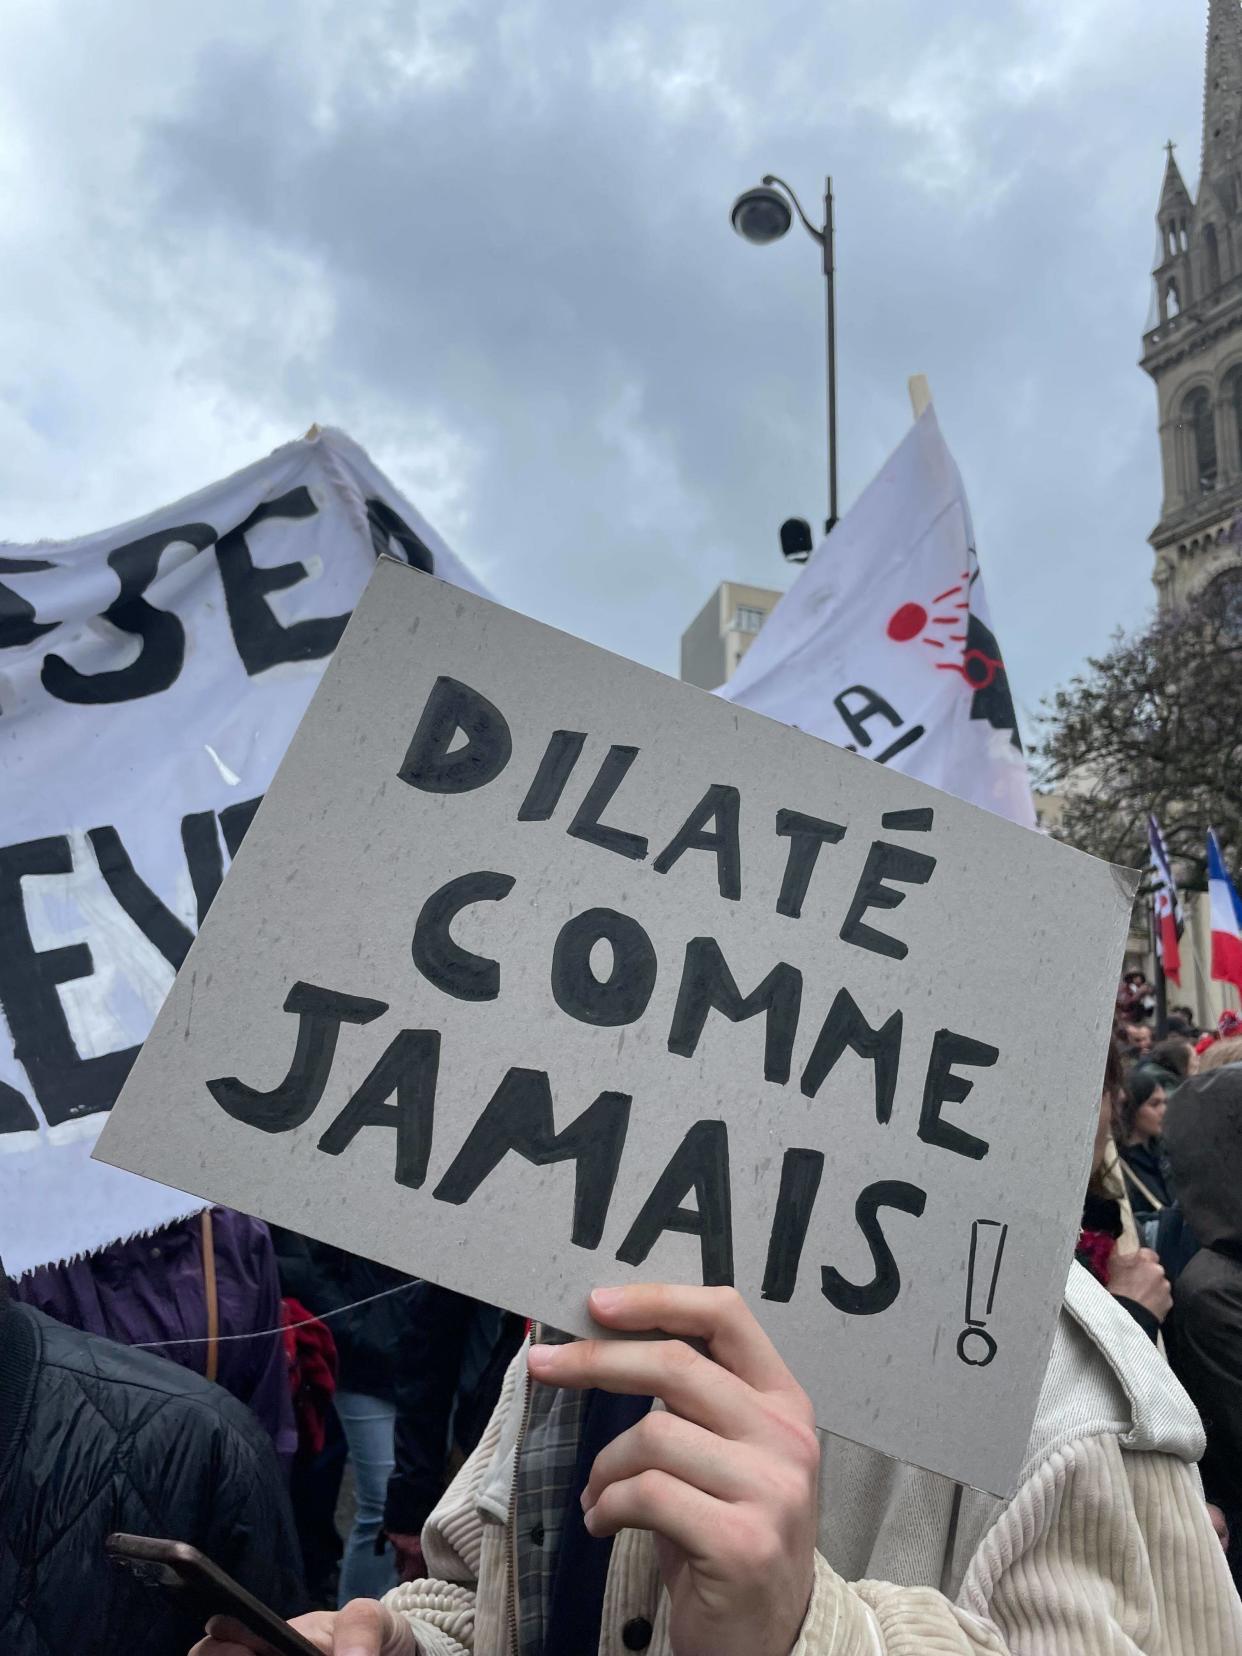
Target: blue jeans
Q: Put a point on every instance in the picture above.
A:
(368, 1426)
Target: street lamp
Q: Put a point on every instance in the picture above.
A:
(763, 215)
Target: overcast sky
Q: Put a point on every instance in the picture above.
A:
(491, 240)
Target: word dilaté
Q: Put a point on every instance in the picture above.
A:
(462, 743)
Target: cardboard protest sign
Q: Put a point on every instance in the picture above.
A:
(539, 971)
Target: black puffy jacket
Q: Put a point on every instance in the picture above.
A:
(96, 1437)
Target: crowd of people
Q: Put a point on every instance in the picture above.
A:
(401, 1470)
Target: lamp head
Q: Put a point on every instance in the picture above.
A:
(761, 215)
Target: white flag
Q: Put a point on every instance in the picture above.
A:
(884, 644)
(151, 677)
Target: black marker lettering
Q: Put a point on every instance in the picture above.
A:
(801, 1171)
(409, 1068)
(878, 1294)
(622, 997)
(805, 834)
(465, 976)
(451, 707)
(700, 1163)
(884, 861)
(707, 982)
(586, 824)
(519, 1118)
(722, 804)
(844, 1027)
(943, 1087)
(321, 1012)
(555, 769)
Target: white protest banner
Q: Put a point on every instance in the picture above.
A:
(539, 970)
(884, 644)
(150, 679)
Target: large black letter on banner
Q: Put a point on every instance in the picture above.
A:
(623, 995)
(943, 1087)
(409, 1068)
(65, 1084)
(707, 982)
(466, 976)
(159, 925)
(16, 1116)
(17, 616)
(519, 1118)
(453, 706)
(388, 526)
(163, 636)
(261, 640)
(869, 1298)
(844, 1027)
(700, 1163)
(321, 1012)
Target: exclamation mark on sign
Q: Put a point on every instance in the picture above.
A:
(975, 1345)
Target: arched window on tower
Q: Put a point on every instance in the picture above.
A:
(1172, 303)
(1211, 259)
(1199, 426)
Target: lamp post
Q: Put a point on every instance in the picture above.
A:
(763, 215)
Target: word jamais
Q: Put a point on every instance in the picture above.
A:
(461, 744)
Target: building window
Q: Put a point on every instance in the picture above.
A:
(1172, 303)
(1222, 598)
(747, 619)
(1200, 428)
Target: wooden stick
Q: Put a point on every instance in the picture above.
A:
(920, 393)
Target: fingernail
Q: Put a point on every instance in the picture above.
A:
(586, 1522)
(588, 1500)
(540, 1356)
(607, 1299)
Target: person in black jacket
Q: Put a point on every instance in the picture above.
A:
(1204, 1139)
(97, 1437)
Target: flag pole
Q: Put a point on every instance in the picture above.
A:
(1162, 992)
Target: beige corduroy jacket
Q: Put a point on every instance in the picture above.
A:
(1105, 1550)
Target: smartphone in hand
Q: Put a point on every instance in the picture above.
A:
(180, 1568)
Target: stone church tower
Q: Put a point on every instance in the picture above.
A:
(1193, 346)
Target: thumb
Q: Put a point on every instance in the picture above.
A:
(365, 1628)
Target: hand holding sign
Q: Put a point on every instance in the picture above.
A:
(725, 1476)
(537, 969)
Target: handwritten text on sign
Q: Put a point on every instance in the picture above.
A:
(538, 970)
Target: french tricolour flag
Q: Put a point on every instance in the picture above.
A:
(1226, 919)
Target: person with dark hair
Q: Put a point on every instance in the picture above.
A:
(1176, 1055)
(96, 1437)
(1140, 1119)
(1204, 1146)
(1108, 1244)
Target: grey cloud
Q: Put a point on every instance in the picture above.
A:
(504, 228)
